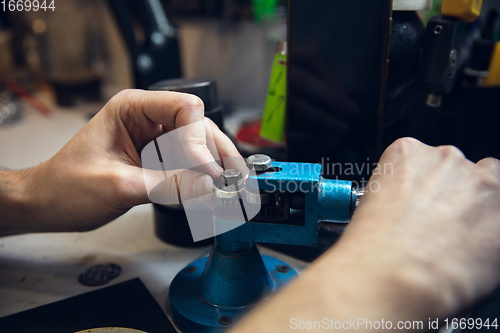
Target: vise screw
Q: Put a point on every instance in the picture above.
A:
(291, 199)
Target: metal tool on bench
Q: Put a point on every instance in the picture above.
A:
(212, 293)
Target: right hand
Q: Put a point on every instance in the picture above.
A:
(425, 245)
(432, 228)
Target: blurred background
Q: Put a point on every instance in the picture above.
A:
(72, 59)
(86, 46)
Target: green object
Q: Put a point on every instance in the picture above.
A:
(273, 120)
(433, 11)
(263, 8)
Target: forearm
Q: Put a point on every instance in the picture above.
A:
(341, 289)
(18, 202)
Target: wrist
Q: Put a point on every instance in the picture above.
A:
(18, 202)
(390, 285)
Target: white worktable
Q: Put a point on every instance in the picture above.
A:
(38, 269)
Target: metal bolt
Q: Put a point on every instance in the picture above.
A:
(438, 29)
(230, 177)
(359, 195)
(225, 320)
(260, 162)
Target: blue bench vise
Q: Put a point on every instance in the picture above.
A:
(213, 293)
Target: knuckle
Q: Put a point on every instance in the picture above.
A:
(488, 179)
(490, 163)
(489, 175)
(402, 146)
(187, 106)
(192, 100)
(122, 99)
(449, 151)
(123, 95)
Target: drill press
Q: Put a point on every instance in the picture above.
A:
(288, 201)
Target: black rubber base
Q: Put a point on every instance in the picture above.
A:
(171, 226)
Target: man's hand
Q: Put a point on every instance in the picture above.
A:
(425, 245)
(97, 175)
(433, 227)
